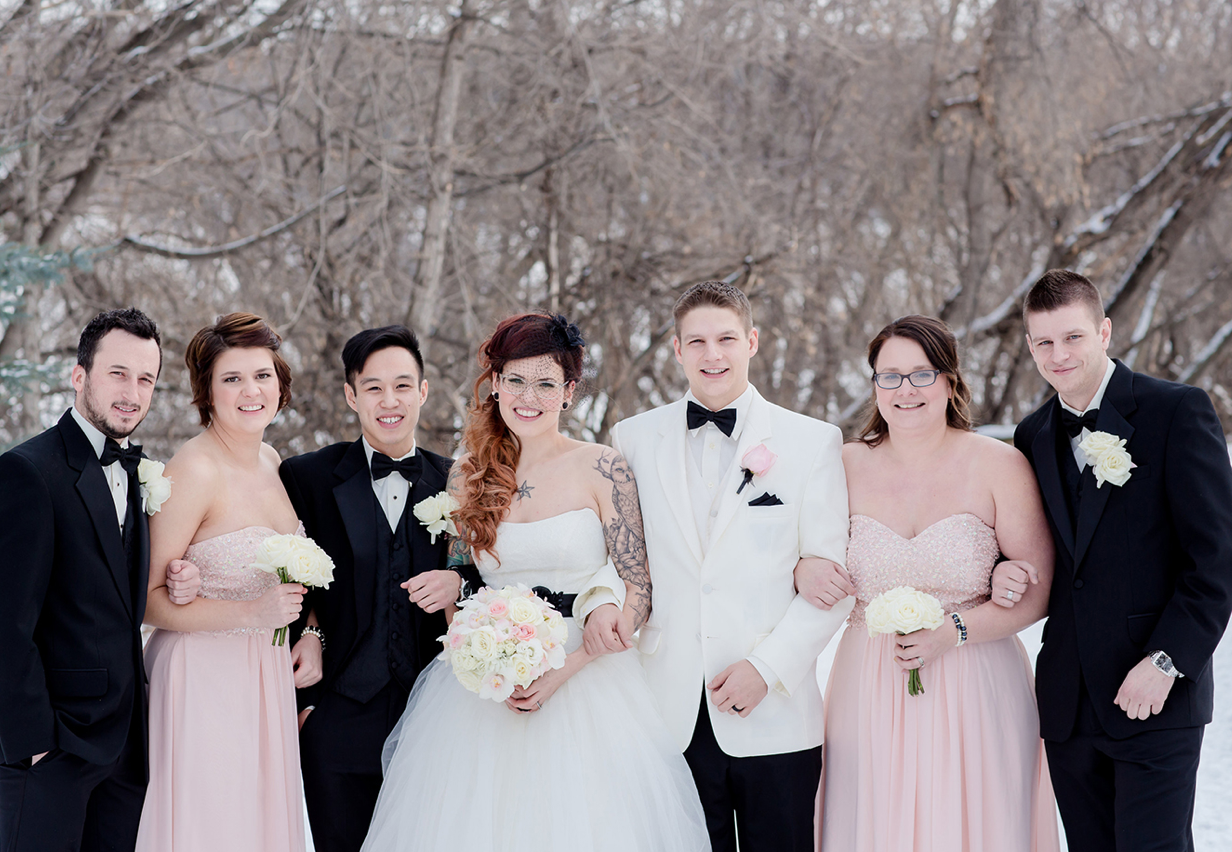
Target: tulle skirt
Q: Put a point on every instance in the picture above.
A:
(595, 769)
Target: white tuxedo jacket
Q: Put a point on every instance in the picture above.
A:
(710, 612)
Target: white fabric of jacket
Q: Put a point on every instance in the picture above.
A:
(714, 610)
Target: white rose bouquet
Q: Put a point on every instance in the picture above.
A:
(501, 640)
(903, 610)
(295, 559)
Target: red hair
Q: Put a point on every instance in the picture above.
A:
(489, 470)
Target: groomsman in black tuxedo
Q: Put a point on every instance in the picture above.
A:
(1143, 583)
(369, 635)
(74, 560)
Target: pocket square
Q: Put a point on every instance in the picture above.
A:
(766, 499)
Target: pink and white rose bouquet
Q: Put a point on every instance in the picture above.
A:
(499, 640)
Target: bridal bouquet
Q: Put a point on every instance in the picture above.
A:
(904, 610)
(501, 640)
(295, 559)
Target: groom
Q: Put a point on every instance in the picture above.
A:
(74, 562)
(734, 492)
(1143, 582)
(376, 627)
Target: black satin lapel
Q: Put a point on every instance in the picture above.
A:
(92, 487)
(357, 506)
(141, 547)
(1044, 452)
(1095, 499)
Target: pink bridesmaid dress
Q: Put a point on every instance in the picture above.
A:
(224, 741)
(959, 768)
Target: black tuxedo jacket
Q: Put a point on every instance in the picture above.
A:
(331, 490)
(71, 670)
(1148, 566)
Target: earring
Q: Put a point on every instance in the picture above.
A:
(495, 395)
(564, 405)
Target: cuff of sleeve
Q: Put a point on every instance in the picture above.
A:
(768, 675)
(604, 588)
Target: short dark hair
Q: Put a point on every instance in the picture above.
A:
(231, 331)
(131, 320)
(714, 294)
(941, 349)
(1060, 288)
(361, 347)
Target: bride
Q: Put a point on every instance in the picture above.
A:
(580, 759)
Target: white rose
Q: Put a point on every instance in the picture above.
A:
(1096, 444)
(463, 661)
(309, 564)
(532, 650)
(903, 610)
(155, 488)
(275, 551)
(523, 611)
(523, 670)
(470, 680)
(1109, 460)
(483, 644)
(877, 617)
(435, 514)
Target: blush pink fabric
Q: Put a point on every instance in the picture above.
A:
(960, 767)
(224, 740)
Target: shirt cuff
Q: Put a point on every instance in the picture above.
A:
(767, 673)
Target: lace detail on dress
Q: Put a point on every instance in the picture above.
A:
(951, 560)
(225, 563)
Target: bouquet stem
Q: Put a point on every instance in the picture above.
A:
(280, 633)
(914, 685)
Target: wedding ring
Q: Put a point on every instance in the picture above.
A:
(920, 660)
(737, 709)
(538, 705)
(1009, 595)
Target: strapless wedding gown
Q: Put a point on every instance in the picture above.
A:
(224, 742)
(595, 769)
(960, 767)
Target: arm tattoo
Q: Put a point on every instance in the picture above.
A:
(524, 490)
(459, 551)
(626, 540)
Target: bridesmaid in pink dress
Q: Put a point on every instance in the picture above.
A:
(224, 747)
(961, 766)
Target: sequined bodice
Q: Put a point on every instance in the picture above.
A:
(562, 552)
(951, 560)
(225, 563)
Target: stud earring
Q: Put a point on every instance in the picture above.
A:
(564, 405)
(495, 395)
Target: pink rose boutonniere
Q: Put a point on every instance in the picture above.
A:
(756, 462)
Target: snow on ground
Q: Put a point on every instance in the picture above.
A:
(1213, 811)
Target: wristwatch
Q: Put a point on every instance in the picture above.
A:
(1164, 663)
(464, 588)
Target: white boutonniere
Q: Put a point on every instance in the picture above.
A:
(756, 462)
(155, 488)
(1109, 460)
(436, 513)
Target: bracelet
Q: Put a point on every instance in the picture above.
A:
(962, 629)
(313, 630)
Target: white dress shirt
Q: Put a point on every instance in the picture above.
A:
(117, 479)
(393, 491)
(1079, 455)
(710, 457)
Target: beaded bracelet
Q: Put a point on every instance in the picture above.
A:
(313, 630)
(962, 628)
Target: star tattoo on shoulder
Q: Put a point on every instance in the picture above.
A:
(524, 489)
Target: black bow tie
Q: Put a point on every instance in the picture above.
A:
(699, 415)
(383, 466)
(128, 457)
(1074, 423)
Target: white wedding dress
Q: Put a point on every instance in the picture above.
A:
(595, 769)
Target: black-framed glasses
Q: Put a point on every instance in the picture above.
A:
(542, 389)
(918, 379)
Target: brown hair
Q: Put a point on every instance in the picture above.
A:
(714, 294)
(231, 331)
(1060, 288)
(488, 471)
(941, 349)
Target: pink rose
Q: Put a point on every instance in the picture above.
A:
(759, 460)
(498, 607)
(525, 632)
(456, 641)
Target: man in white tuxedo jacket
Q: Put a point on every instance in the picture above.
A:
(730, 648)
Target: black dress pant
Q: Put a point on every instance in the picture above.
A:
(767, 801)
(1130, 795)
(340, 756)
(64, 804)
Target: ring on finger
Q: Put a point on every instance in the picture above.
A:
(1009, 595)
(920, 660)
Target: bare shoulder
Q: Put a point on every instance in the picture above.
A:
(270, 457)
(995, 460)
(193, 462)
(856, 454)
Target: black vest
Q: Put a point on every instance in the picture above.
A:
(387, 650)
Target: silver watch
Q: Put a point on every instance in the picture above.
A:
(1164, 663)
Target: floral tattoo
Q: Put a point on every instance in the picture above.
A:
(626, 539)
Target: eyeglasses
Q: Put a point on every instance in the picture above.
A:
(542, 389)
(918, 379)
